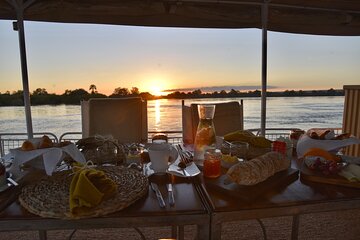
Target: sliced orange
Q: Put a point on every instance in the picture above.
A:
(318, 152)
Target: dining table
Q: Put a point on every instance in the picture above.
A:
(189, 209)
(199, 201)
(289, 195)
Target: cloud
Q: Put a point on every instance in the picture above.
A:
(219, 88)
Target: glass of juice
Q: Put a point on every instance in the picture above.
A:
(212, 163)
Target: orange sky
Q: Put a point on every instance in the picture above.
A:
(70, 56)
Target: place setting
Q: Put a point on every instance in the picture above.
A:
(164, 158)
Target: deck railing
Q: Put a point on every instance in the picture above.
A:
(14, 140)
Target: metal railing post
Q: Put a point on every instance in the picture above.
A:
(264, 20)
(19, 7)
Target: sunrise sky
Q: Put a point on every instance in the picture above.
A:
(70, 56)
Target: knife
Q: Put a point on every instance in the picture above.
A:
(10, 180)
(160, 199)
(171, 194)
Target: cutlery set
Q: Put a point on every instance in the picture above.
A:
(159, 196)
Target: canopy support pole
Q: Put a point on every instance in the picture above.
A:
(264, 20)
(19, 7)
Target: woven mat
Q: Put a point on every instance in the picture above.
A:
(50, 196)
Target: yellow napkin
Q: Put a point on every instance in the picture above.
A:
(249, 137)
(88, 188)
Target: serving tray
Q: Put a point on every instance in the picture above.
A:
(307, 174)
(243, 192)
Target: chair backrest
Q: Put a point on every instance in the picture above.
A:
(125, 119)
(229, 117)
(351, 117)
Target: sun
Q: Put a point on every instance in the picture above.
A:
(156, 90)
(156, 86)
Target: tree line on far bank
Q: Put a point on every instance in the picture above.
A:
(73, 97)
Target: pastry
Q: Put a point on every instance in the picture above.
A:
(64, 143)
(342, 136)
(258, 169)
(27, 146)
(45, 142)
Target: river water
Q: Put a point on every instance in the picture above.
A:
(165, 114)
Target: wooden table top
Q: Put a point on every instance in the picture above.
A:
(291, 195)
(187, 202)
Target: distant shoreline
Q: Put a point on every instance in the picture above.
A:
(74, 97)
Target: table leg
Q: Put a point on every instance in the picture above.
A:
(263, 229)
(42, 234)
(215, 231)
(181, 232)
(174, 232)
(295, 227)
(203, 231)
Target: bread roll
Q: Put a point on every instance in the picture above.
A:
(63, 143)
(258, 169)
(45, 142)
(27, 146)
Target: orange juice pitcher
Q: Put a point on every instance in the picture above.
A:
(205, 137)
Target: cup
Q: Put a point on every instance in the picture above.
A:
(159, 154)
(239, 149)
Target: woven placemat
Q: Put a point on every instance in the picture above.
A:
(50, 196)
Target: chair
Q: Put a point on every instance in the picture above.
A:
(228, 117)
(351, 117)
(125, 119)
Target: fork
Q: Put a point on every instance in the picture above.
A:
(184, 160)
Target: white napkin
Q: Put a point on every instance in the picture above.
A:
(191, 169)
(305, 143)
(50, 156)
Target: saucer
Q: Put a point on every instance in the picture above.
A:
(151, 171)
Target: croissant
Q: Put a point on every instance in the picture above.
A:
(258, 169)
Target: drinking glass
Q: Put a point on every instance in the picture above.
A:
(239, 149)
(212, 163)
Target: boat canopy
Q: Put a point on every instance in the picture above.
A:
(321, 17)
(324, 17)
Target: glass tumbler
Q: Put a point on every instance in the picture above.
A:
(212, 163)
(239, 149)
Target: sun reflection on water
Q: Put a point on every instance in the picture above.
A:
(157, 108)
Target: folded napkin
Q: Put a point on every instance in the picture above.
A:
(88, 188)
(50, 157)
(305, 143)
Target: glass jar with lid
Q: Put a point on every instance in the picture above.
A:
(212, 163)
